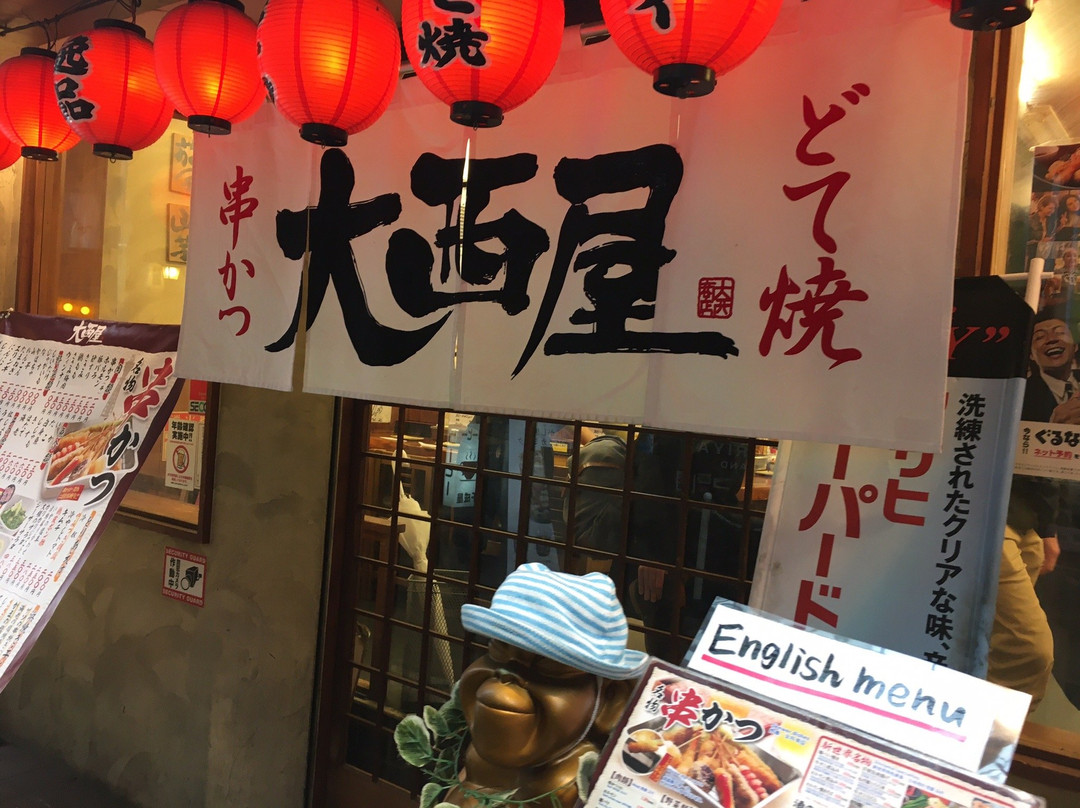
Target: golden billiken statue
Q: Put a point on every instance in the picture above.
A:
(554, 682)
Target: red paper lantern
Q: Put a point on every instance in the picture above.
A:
(685, 44)
(205, 59)
(107, 89)
(331, 67)
(9, 152)
(482, 57)
(29, 115)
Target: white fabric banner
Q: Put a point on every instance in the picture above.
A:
(934, 522)
(620, 255)
(241, 288)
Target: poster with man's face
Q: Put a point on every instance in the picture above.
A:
(1045, 497)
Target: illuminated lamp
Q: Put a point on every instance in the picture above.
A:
(990, 15)
(107, 89)
(205, 59)
(29, 116)
(685, 44)
(482, 57)
(9, 152)
(330, 67)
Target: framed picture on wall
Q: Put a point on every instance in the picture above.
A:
(180, 163)
(178, 225)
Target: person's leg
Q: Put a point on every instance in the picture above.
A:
(1021, 645)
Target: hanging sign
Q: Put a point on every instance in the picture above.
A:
(81, 404)
(618, 255)
(850, 528)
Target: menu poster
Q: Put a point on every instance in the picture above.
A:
(81, 404)
(688, 741)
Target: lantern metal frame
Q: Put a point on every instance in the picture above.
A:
(990, 15)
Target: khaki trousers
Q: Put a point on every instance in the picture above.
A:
(1021, 645)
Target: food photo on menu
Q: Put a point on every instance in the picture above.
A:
(709, 748)
(83, 451)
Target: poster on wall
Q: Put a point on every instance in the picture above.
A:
(690, 741)
(1047, 482)
(850, 528)
(81, 404)
(644, 259)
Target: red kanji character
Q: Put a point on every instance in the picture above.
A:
(239, 207)
(894, 492)
(867, 493)
(228, 274)
(818, 311)
(223, 313)
(684, 711)
(139, 404)
(806, 607)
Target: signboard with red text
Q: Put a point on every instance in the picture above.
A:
(851, 528)
(741, 263)
(81, 404)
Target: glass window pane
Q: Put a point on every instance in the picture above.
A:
(505, 442)
(382, 429)
(501, 506)
(718, 471)
(658, 463)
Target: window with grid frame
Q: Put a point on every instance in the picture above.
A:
(447, 504)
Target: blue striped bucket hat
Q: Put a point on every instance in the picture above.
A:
(573, 619)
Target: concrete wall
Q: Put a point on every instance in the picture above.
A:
(181, 707)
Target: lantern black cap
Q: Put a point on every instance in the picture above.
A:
(37, 153)
(323, 134)
(122, 24)
(990, 15)
(112, 151)
(209, 125)
(234, 3)
(477, 114)
(684, 80)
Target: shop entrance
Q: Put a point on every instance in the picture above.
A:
(433, 510)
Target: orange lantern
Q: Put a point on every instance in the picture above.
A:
(205, 60)
(29, 115)
(9, 153)
(482, 57)
(331, 67)
(686, 44)
(107, 89)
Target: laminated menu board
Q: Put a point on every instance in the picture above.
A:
(81, 404)
(689, 741)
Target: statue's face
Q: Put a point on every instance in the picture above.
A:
(523, 709)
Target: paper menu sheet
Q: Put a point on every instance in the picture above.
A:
(81, 403)
(688, 741)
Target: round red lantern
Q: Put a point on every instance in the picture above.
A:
(9, 152)
(330, 67)
(482, 57)
(107, 89)
(29, 115)
(205, 59)
(686, 44)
